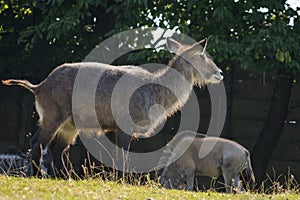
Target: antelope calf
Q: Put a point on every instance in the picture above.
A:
(225, 157)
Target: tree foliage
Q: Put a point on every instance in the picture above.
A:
(255, 34)
(38, 35)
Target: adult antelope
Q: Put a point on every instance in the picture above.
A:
(53, 97)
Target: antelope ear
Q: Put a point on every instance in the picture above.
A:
(203, 43)
(173, 45)
(199, 47)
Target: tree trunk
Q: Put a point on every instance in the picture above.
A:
(229, 82)
(273, 126)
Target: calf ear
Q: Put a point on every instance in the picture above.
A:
(173, 45)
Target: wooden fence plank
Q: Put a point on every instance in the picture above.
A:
(250, 109)
(287, 151)
(252, 89)
(245, 128)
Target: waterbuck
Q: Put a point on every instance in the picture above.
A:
(53, 97)
(225, 157)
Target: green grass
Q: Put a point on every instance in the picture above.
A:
(32, 188)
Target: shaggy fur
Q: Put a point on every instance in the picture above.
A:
(53, 97)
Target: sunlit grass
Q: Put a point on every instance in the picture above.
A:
(32, 188)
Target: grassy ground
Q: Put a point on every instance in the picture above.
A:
(31, 188)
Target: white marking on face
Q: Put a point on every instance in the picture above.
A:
(217, 77)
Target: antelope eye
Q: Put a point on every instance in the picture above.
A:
(195, 54)
(189, 56)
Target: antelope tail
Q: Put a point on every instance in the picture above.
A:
(24, 83)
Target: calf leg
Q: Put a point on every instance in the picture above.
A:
(229, 177)
(238, 185)
(232, 180)
(190, 174)
(227, 180)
